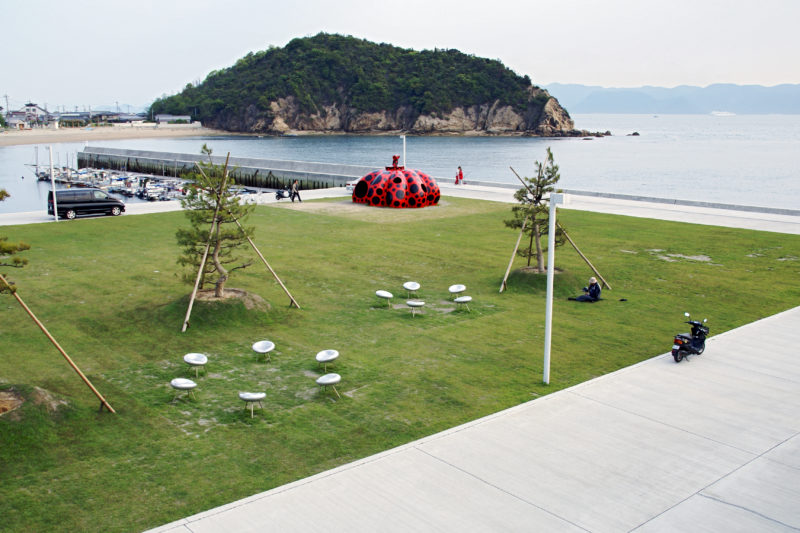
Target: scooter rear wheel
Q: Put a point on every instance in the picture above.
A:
(677, 355)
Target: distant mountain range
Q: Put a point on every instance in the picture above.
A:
(684, 99)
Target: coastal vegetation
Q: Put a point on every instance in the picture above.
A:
(532, 211)
(215, 236)
(109, 290)
(341, 78)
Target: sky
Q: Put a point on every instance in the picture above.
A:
(107, 53)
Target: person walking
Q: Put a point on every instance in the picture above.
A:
(296, 191)
(459, 176)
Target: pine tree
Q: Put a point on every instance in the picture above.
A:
(205, 190)
(533, 207)
(8, 251)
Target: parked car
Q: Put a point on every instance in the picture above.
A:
(88, 201)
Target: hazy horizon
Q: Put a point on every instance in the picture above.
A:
(98, 53)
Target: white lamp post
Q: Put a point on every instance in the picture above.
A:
(555, 199)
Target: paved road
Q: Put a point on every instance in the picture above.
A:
(661, 211)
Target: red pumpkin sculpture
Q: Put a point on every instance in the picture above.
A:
(396, 187)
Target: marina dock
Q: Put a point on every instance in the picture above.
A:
(249, 172)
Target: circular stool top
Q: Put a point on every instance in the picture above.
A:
(195, 359)
(383, 294)
(329, 379)
(263, 346)
(457, 288)
(463, 299)
(411, 285)
(326, 356)
(252, 396)
(415, 303)
(182, 384)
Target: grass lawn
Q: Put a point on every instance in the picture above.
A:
(109, 290)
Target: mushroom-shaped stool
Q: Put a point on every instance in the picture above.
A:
(411, 287)
(329, 380)
(251, 398)
(463, 300)
(264, 347)
(327, 356)
(196, 360)
(183, 385)
(385, 295)
(457, 289)
(414, 305)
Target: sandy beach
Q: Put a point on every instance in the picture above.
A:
(63, 135)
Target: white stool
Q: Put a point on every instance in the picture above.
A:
(411, 286)
(264, 347)
(251, 398)
(185, 385)
(463, 300)
(329, 379)
(196, 360)
(414, 305)
(327, 356)
(457, 289)
(386, 295)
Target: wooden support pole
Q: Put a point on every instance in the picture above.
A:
(568, 238)
(584, 257)
(293, 301)
(208, 244)
(513, 254)
(103, 402)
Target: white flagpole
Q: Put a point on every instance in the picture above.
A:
(555, 199)
(53, 185)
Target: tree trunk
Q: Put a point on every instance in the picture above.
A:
(219, 288)
(539, 255)
(530, 245)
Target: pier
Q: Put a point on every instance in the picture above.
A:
(249, 172)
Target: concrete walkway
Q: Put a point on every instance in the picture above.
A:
(690, 214)
(710, 444)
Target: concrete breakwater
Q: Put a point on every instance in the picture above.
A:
(269, 173)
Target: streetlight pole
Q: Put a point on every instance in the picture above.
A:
(555, 199)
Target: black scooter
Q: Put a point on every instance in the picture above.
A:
(685, 344)
(281, 194)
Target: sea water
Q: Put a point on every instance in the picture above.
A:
(742, 159)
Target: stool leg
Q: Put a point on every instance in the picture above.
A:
(251, 408)
(336, 391)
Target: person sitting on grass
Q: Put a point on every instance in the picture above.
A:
(590, 293)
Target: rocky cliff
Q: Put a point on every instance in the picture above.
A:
(285, 116)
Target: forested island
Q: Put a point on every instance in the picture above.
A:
(333, 83)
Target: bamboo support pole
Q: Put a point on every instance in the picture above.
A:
(584, 257)
(293, 301)
(597, 273)
(208, 244)
(103, 401)
(514, 253)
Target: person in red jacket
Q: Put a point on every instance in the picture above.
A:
(459, 176)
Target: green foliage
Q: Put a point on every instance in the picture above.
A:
(8, 251)
(333, 69)
(209, 188)
(534, 208)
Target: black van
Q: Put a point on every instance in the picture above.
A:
(72, 202)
